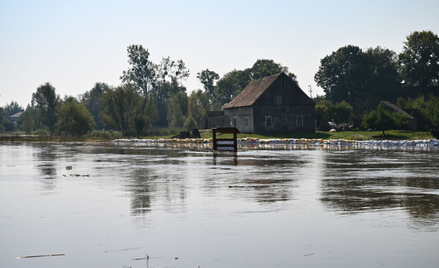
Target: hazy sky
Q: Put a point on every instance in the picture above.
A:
(74, 44)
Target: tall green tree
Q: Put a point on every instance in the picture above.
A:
(74, 119)
(419, 62)
(198, 105)
(208, 79)
(264, 67)
(141, 72)
(46, 101)
(383, 81)
(169, 81)
(119, 106)
(146, 113)
(177, 110)
(229, 86)
(92, 99)
(27, 121)
(380, 119)
(363, 79)
(2, 120)
(342, 74)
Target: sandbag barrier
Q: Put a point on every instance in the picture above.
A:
(267, 143)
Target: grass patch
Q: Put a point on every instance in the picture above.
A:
(102, 135)
(348, 135)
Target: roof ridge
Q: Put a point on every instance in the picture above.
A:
(253, 91)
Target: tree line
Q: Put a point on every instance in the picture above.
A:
(362, 79)
(152, 95)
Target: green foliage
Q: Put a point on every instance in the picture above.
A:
(141, 72)
(419, 62)
(362, 79)
(2, 120)
(170, 76)
(262, 68)
(400, 121)
(40, 132)
(341, 74)
(425, 111)
(177, 110)
(380, 119)
(341, 112)
(74, 119)
(146, 114)
(12, 108)
(198, 105)
(160, 80)
(208, 78)
(46, 102)
(92, 99)
(104, 135)
(27, 121)
(119, 106)
(190, 123)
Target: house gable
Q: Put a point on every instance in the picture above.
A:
(271, 104)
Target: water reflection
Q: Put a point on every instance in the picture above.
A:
(360, 181)
(350, 181)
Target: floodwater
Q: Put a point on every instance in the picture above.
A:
(104, 205)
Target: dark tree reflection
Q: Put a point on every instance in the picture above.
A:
(357, 181)
(46, 155)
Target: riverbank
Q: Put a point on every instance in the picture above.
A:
(256, 143)
(391, 135)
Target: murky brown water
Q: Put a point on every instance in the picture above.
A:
(264, 208)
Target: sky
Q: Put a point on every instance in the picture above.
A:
(74, 44)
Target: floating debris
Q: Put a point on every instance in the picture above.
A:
(125, 249)
(78, 175)
(69, 167)
(40, 256)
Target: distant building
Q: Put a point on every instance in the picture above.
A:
(213, 119)
(15, 117)
(393, 108)
(273, 104)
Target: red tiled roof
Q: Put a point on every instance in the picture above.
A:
(252, 92)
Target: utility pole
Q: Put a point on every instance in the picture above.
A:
(310, 91)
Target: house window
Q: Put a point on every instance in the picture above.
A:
(300, 102)
(278, 100)
(246, 121)
(268, 121)
(283, 85)
(299, 121)
(234, 122)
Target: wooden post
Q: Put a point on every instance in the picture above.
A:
(214, 139)
(224, 144)
(235, 141)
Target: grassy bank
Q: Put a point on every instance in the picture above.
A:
(206, 134)
(348, 135)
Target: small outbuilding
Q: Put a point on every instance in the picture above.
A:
(15, 116)
(393, 108)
